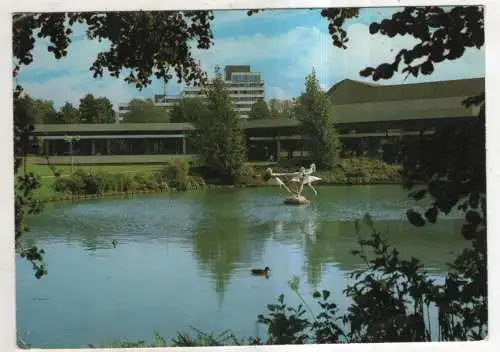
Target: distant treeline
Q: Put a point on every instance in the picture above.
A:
(93, 109)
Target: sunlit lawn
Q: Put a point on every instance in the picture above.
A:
(45, 172)
(47, 176)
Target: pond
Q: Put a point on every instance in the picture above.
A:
(184, 259)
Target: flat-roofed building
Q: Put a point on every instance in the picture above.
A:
(368, 117)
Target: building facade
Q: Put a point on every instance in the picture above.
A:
(245, 88)
(372, 120)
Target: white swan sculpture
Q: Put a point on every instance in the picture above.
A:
(300, 179)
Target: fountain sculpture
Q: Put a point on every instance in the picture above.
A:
(297, 182)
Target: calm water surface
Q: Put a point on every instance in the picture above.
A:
(184, 259)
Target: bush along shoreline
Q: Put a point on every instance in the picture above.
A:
(94, 184)
(179, 176)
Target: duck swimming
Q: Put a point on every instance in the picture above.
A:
(264, 271)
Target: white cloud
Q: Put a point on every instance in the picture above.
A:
(74, 87)
(292, 54)
(306, 48)
(333, 64)
(69, 78)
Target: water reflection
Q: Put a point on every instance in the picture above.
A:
(175, 249)
(221, 242)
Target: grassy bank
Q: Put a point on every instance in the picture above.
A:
(119, 180)
(46, 172)
(358, 170)
(97, 181)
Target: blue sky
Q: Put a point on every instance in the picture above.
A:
(284, 45)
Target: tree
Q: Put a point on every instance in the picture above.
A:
(132, 48)
(43, 110)
(187, 110)
(69, 114)
(274, 110)
(218, 138)
(145, 111)
(284, 110)
(314, 111)
(259, 111)
(96, 110)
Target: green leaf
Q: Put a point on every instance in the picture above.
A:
(472, 217)
(415, 218)
(418, 195)
(326, 294)
(431, 214)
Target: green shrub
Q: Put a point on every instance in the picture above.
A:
(124, 183)
(175, 174)
(93, 182)
(247, 170)
(68, 185)
(194, 183)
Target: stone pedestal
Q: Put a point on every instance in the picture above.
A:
(296, 200)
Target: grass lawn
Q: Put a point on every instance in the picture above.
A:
(47, 177)
(45, 172)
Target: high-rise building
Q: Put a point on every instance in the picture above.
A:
(245, 89)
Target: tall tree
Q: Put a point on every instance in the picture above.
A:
(259, 110)
(188, 110)
(44, 111)
(144, 110)
(218, 138)
(69, 114)
(314, 111)
(96, 110)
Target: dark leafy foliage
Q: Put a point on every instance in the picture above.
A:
(69, 114)
(260, 110)
(286, 325)
(451, 170)
(314, 111)
(145, 43)
(441, 35)
(187, 110)
(144, 111)
(95, 110)
(218, 138)
(24, 202)
(173, 176)
(391, 298)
